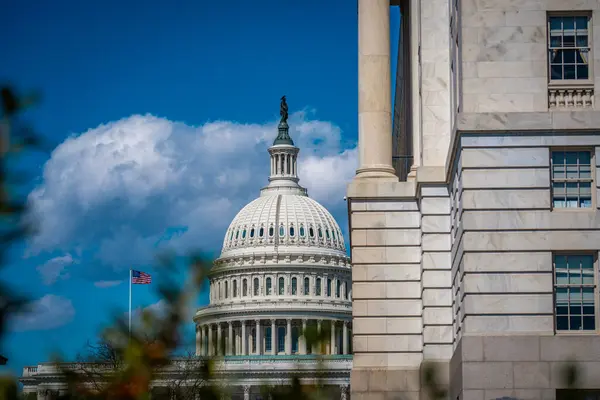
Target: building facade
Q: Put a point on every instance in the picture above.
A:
(483, 261)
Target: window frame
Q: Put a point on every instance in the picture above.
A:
(593, 190)
(596, 291)
(557, 83)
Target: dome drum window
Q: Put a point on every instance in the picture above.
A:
(271, 231)
(244, 234)
(292, 232)
(311, 232)
(268, 287)
(261, 232)
(281, 286)
(302, 231)
(252, 232)
(281, 231)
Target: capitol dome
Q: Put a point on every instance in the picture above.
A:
(287, 222)
(283, 268)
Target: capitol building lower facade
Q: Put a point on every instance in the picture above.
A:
(283, 271)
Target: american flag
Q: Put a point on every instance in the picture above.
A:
(140, 278)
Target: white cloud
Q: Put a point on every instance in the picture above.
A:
(106, 284)
(49, 312)
(117, 190)
(55, 269)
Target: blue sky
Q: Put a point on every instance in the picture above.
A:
(161, 117)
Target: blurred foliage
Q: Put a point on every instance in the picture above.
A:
(132, 361)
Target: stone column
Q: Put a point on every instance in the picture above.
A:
(210, 341)
(243, 338)
(288, 337)
(345, 338)
(303, 349)
(273, 337)
(198, 340)
(219, 340)
(374, 90)
(332, 338)
(246, 392)
(257, 338)
(230, 339)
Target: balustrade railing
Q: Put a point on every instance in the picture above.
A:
(570, 97)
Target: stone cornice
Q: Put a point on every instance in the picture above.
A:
(258, 261)
(275, 308)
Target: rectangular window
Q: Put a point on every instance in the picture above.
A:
(569, 50)
(575, 292)
(572, 179)
(281, 339)
(267, 339)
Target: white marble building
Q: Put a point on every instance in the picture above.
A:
(283, 268)
(484, 259)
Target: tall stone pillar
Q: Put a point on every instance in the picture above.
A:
(332, 338)
(273, 337)
(230, 339)
(345, 338)
(374, 90)
(219, 340)
(198, 340)
(303, 348)
(288, 337)
(210, 341)
(243, 338)
(257, 338)
(320, 348)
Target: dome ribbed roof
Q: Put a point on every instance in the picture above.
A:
(283, 222)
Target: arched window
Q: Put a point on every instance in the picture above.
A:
(327, 233)
(320, 233)
(244, 234)
(306, 286)
(268, 286)
(245, 288)
(338, 289)
(318, 287)
(311, 232)
(231, 236)
(252, 232)
(328, 287)
(346, 290)
(281, 231)
(281, 286)
(302, 231)
(261, 232)
(268, 339)
(333, 234)
(234, 288)
(256, 286)
(226, 288)
(292, 232)
(219, 293)
(270, 231)
(237, 234)
(294, 286)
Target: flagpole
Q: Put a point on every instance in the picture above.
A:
(130, 302)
